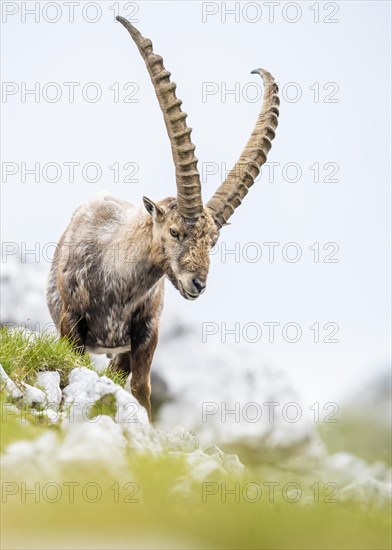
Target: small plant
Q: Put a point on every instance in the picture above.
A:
(106, 404)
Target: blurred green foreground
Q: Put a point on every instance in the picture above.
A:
(159, 504)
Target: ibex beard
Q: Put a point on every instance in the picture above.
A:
(106, 284)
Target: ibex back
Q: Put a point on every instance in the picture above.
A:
(106, 284)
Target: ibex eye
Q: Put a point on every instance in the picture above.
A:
(174, 233)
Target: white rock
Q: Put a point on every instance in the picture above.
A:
(213, 450)
(49, 382)
(88, 444)
(130, 411)
(100, 441)
(29, 459)
(346, 468)
(100, 363)
(232, 465)
(10, 387)
(33, 397)
(368, 492)
(212, 463)
(81, 394)
(86, 388)
(179, 439)
(82, 375)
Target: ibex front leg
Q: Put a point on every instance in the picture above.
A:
(138, 361)
(141, 359)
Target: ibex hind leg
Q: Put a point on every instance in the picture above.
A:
(121, 362)
(74, 327)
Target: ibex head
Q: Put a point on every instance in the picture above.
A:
(184, 230)
(182, 245)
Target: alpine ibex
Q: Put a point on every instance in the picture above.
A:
(105, 293)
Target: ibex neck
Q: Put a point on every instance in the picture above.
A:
(135, 261)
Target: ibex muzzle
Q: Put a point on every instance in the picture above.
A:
(106, 282)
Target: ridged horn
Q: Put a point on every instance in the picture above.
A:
(231, 192)
(189, 200)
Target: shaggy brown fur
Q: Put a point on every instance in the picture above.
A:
(106, 283)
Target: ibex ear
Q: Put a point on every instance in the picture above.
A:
(155, 211)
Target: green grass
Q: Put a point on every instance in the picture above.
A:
(106, 405)
(23, 354)
(145, 510)
(116, 376)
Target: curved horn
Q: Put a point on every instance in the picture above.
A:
(230, 193)
(189, 201)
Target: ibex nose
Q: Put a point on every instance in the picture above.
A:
(199, 285)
